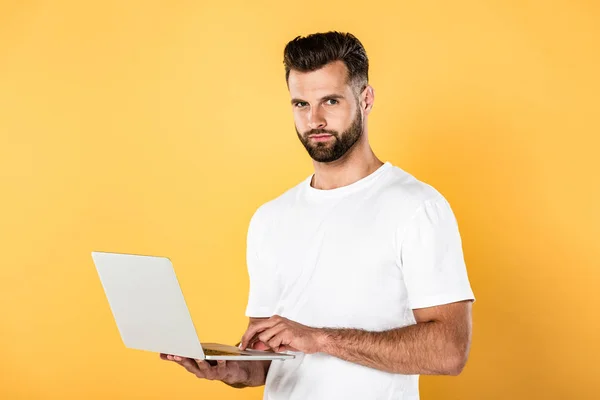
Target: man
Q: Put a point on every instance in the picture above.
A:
(359, 269)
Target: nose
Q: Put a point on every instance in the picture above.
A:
(316, 119)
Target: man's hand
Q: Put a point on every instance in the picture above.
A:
(238, 374)
(281, 334)
(233, 373)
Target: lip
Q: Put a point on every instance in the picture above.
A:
(320, 137)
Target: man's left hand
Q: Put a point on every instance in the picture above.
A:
(281, 334)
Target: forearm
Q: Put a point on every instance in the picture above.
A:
(256, 374)
(431, 348)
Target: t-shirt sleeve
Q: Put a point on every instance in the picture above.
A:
(264, 283)
(431, 257)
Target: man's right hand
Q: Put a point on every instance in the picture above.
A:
(238, 374)
(234, 373)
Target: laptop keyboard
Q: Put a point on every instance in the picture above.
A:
(210, 352)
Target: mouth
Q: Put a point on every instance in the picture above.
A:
(320, 137)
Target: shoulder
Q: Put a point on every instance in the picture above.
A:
(273, 208)
(402, 188)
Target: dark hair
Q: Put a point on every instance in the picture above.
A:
(314, 51)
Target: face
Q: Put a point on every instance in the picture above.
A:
(326, 111)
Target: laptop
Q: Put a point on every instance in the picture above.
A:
(151, 314)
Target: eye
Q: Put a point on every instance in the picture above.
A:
(300, 104)
(332, 102)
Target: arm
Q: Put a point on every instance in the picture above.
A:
(438, 344)
(429, 253)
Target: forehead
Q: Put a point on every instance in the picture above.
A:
(332, 78)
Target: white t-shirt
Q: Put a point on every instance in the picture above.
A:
(359, 256)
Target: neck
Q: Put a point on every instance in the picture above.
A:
(357, 163)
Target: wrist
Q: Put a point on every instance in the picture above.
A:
(241, 379)
(324, 340)
(248, 377)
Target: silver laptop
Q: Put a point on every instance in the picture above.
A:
(151, 314)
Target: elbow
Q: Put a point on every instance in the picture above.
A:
(459, 351)
(456, 366)
(458, 360)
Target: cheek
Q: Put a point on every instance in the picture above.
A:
(301, 120)
(341, 113)
(338, 120)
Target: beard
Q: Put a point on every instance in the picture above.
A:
(337, 146)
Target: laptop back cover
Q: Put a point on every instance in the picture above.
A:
(147, 303)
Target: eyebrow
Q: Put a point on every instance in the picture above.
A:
(328, 97)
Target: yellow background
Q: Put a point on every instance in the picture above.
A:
(159, 127)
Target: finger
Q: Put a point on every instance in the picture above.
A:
(251, 332)
(172, 357)
(279, 341)
(258, 345)
(207, 370)
(268, 334)
(276, 342)
(286, 348)
(253, 342)
(277, 323)
(190, 365)
(203, 365)
(254, 329)
(221, 369)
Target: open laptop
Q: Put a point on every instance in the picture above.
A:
(151, 314)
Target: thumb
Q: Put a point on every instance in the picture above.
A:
(285, 348)
(260, 346)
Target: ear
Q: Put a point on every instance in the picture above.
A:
(367, 99)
